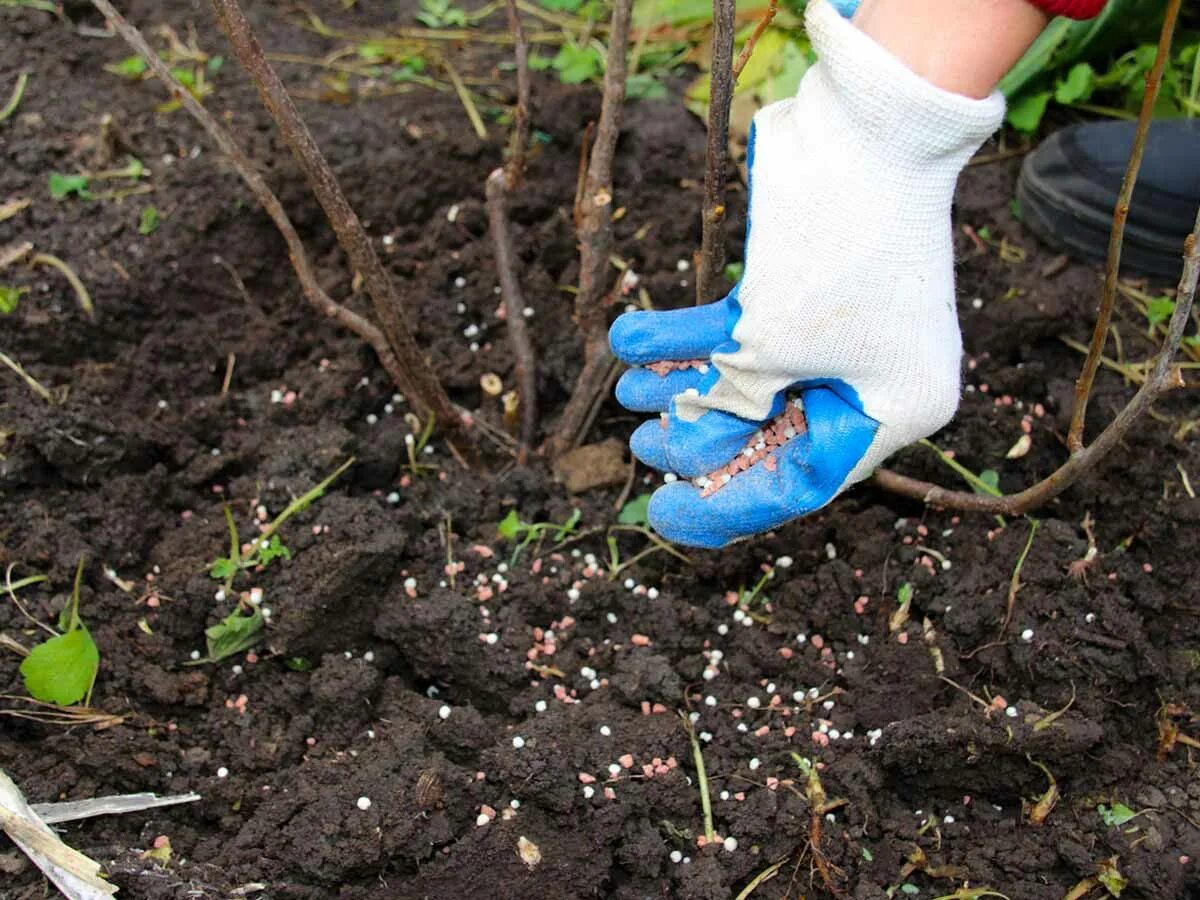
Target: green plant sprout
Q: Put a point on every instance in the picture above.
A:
(10, 296)
(63, 185)
(148, 221)
(1116, 815)
(15, 99)
(710, 833)
(616, 565)
(511, 528)
(238, 631)
(442, 14)
(267, 547)
(190, 66)
(61, 670)
(904, 595)
(414, 443)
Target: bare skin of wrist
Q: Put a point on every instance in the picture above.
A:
(962, 46)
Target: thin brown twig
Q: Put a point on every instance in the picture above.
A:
(1160, 378)
(593, 224)
(710, 261)
(266, 198)
(521, 125)
(752, 41)
(525, 364)
(1083, 385)
(419, 379)
(500, 184)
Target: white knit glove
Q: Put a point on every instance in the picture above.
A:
(849, 262)
(848, 282)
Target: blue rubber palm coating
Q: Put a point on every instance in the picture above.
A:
(809, 470)
(642, 337)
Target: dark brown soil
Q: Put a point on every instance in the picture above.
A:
(127, 471)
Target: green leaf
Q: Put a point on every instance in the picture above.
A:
(9, 297)
(62, 669)
(868, 855)
(233, 634)
(1118, 815)
(909, 888)
(991, 479)
(1026, 113)
(63, 185)
(561, 5)
(274, 550)
(131, 67)
(184, 76)
(223, 568)
(568, 526)
(733, 272)
(905, 594)
(636, 511)
(298, 664)
(148, 221)
(576, 65)
(511, 526)
(1077, 87)
(1159, 310)
(214, 64)
(539, 63)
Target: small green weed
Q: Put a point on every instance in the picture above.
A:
(511, 528)
(267, 547)
(1116, 815)
(238, 631)
(61, 670)
(442, 14)
(148, 221)
(9, 298)
(636, 511)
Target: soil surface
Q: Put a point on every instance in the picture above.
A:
(476, 711)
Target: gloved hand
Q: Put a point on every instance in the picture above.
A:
(847, 300)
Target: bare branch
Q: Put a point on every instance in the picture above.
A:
(752, 41)
(1083, 385)
(421, 383)
(263, 194)
(710, 262)
(520, 133)
(593, 223)
(1162, 378)
(525, 367)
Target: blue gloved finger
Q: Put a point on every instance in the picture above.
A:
(641, 390)
(649, 444)
(806, 474)
(700, 447)
(644, 337)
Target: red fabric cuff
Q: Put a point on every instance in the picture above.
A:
(1072, 9)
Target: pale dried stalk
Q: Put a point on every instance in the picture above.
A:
(593, 223)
